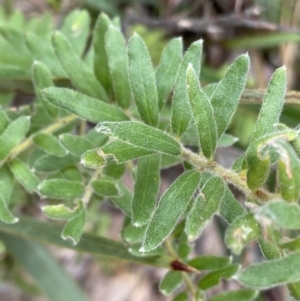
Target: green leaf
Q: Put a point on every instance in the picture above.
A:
(114, 170)
(77, 145)
(283, 214)
(288, 173)
(171, 206)
(23, 175)
(15, 38)
(228, 92)
(5, 215)
(181, 111)
(241, 231)
(209, 262)
(41, 265)
(204, 207)
(167, 69)
(271, 273)
(145, 189)
(13, 135)
(49, 163)
(269, 249)
(71, 173)
(291, 245)
(43, 52)
(212, 278)
(230, 208)
(106, 186)
(258, 156)
(119, 151)
(79, 73)
(101, 69)
(61, 189)
(238, 295)
(6, 183)
(49, 233)
(182, 296)
(272, 105)
(203, 114)
(227, 140)
(135, 132)
(123, 200)
(83, 106)
(74, 227)
(170, 282)
(4, 120)
(97, 139)
(93, 159)
(61, 212)
(118, 66)
(132, 234)
(294, 289)
(142, 78)
(42, 79)
(50, 144)
(76, 28)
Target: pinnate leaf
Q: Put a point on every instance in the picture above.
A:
(76, 28)
(24, 175)
(42, 79)
(283, 214)
(142, 79)
(204, 207)
(170, 282)
(5, 215)
(203, 114)
(118, 66)
(289, 173)
(272, 105)
(83, 106)
(13, 135)
(212, 278)
(167, 69)
(77, 145)
(271, 273)
(238, 295)
(241, 231)
(74, 227)
(140, 135)
(101, 69)
(79, 73)
(171, 206)
(181, 111)
(209, 262)
(145, 189)
(228, 92)
(50, 144)
(61, 189)
(61, 212)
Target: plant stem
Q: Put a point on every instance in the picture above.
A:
(201, 163)
(50, 129)
(187, 280)
(89, 189)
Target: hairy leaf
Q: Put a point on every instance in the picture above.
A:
(171, 206)
(145, 189)
(142, 79)
(83, 106)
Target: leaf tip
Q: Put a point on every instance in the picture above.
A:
(70, 239)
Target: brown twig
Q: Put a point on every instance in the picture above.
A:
(204, 25)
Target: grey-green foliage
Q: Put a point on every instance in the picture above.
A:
(103, 113)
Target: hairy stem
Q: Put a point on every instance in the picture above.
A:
(201, 163)
(50, 129)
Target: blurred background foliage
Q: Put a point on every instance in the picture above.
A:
(268, 29)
